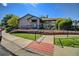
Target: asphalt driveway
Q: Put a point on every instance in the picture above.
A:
(5, 52)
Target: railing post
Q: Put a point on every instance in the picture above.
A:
(61, 43)
(35, 36)
(67, 33)
(54, 36)
(54, 39)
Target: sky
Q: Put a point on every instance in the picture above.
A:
(53, 10)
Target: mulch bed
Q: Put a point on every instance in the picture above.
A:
(47, 32)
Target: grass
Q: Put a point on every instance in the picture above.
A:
(70, 41)
(27, 35)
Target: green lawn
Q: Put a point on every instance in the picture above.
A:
(27, 35)
(71, 41)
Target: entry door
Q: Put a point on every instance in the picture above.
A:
(34, 25)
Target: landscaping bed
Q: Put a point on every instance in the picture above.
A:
(27, 35)
(70, 42)
(46, 32)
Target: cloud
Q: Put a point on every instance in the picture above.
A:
(4, 4)
(34, 4)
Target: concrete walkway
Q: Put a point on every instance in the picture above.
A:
(16, 44)
(66, 51)
(21, 46)
(46, 39)
(58, 50)
(5, 52)
(17, 40)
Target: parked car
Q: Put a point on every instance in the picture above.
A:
(1, 33)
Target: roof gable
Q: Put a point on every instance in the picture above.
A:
(28, 16)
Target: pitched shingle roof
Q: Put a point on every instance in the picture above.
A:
(28, 16)
(48, 19)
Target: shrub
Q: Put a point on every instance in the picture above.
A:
(8, 29)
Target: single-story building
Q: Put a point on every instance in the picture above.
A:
(33, 22)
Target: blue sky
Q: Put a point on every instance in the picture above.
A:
(53, 10)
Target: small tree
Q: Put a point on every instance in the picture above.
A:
(13, 22)
(5, 19)
(58, 21)
(66, 24)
